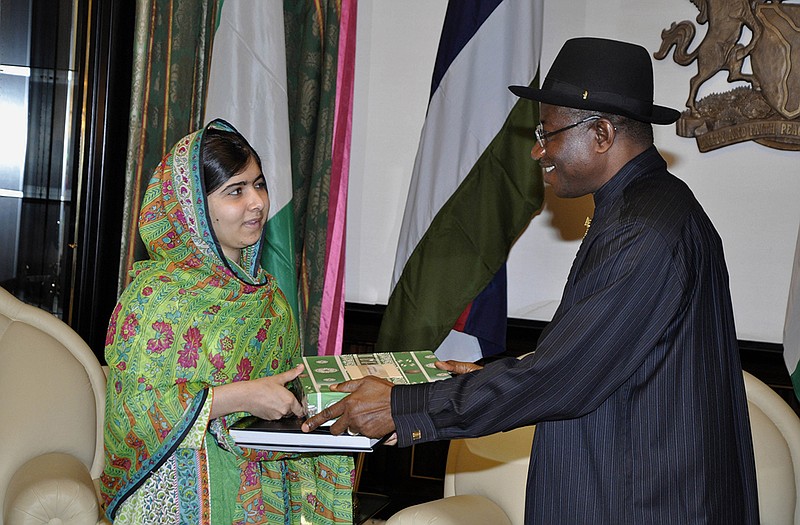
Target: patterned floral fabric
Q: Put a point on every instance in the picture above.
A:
(188, 321)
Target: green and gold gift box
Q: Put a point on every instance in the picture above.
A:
(401, 368)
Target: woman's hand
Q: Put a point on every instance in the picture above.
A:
(271, 399)
(265, 397)
(457, 367)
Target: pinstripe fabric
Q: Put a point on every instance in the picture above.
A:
(635, 386)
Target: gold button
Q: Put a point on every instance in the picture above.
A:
(417, 434)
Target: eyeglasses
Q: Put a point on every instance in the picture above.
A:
(542, 136)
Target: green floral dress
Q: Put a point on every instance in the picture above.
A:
(189, 321)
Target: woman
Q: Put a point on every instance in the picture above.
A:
(202, 337)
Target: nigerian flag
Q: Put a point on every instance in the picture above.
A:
(247, 87)
(474, 187)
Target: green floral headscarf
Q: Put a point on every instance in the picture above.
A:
(191, 320)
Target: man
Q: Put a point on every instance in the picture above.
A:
(635, 385)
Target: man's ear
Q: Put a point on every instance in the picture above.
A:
(605, 134)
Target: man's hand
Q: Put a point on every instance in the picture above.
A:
(367, 410)
(457, 367)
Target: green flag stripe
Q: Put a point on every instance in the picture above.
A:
(278, 253)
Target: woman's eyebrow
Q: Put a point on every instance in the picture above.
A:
(257, 178)
(233, 185)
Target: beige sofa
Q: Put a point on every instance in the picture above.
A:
(52, 396)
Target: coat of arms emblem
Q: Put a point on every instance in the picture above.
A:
(768, 110)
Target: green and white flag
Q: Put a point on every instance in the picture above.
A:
(247, 87)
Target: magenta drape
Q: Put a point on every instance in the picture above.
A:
(332, 308)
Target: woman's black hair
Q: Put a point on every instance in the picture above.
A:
(224, 155)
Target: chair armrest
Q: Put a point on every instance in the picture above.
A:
(455, 510)
(50, 487)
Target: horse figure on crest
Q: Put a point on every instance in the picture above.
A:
(720, 49)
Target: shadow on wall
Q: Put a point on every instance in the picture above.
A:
(567, 216)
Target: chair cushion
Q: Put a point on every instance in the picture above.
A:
(51, 403)
(455, 510)
(774, 476)
(54, 489)
(52, 387)
(494, 466)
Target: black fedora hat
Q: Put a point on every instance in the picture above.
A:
(602, 75)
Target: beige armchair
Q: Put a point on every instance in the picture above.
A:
(484, 483)
(52, 398)
(485, 477)
(776, 443)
